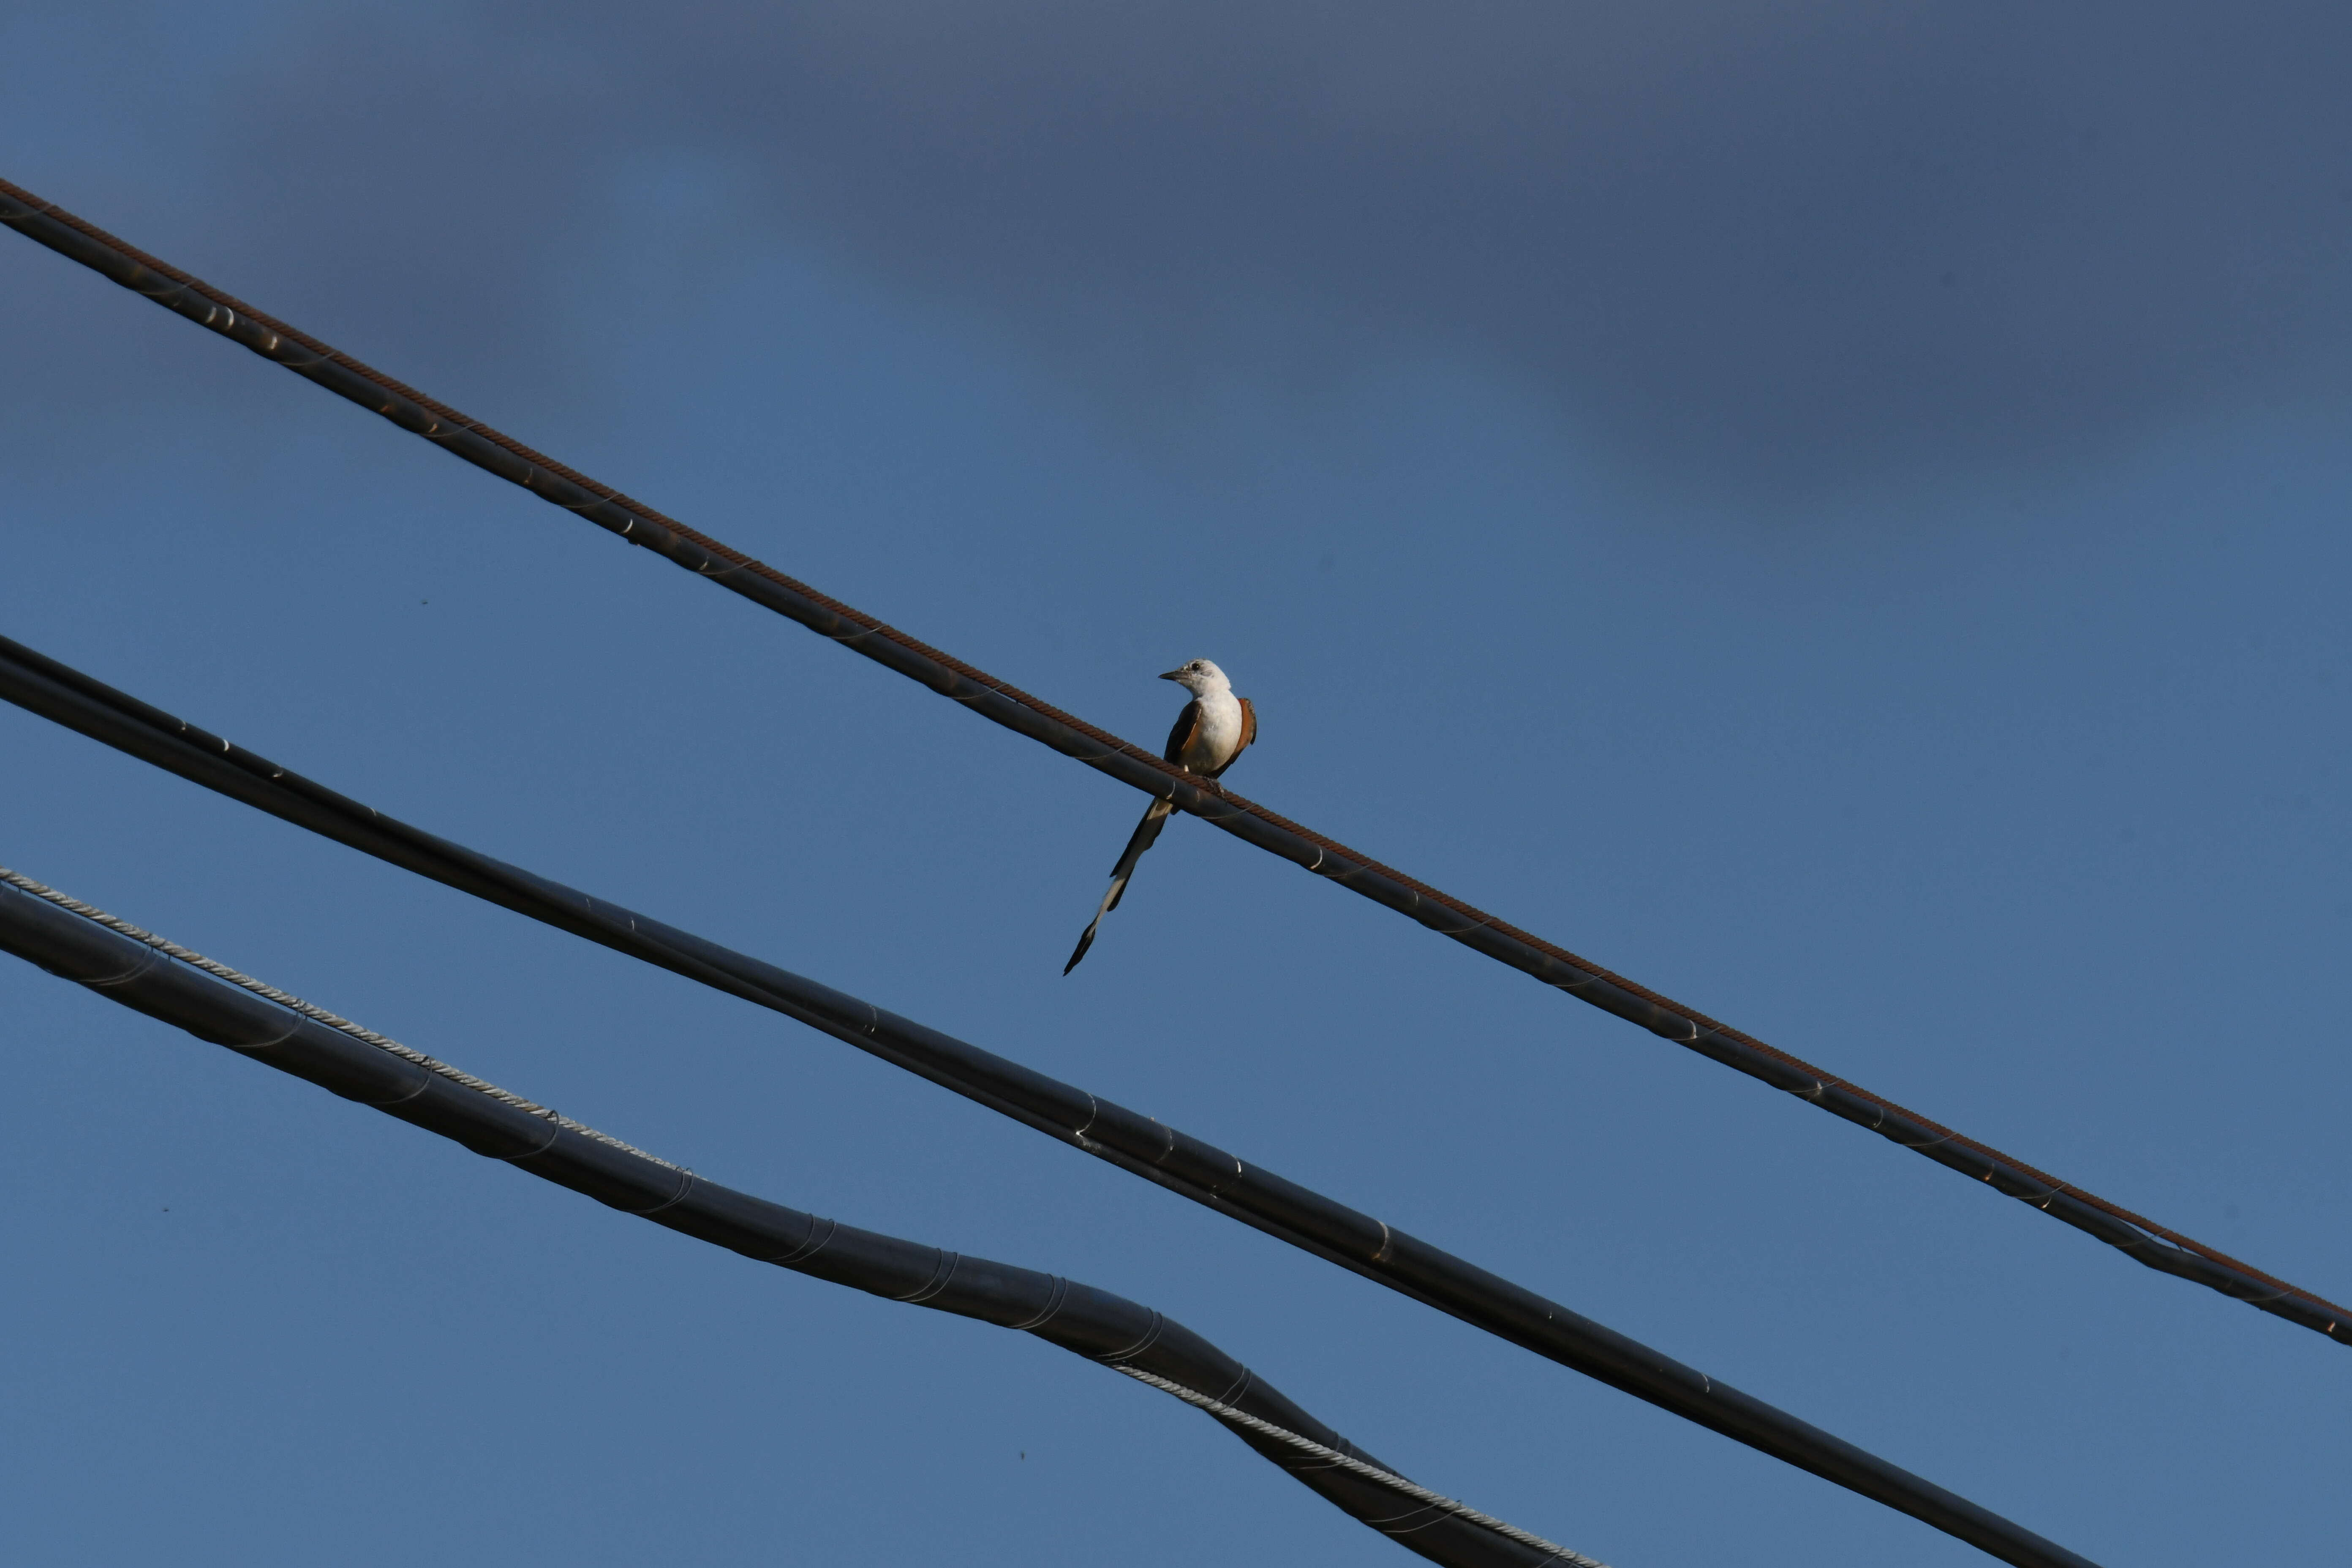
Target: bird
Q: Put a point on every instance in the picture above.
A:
(1212, 733)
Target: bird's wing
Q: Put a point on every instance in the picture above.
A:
(1249, 734)
(1155, 817)
(1182, 735)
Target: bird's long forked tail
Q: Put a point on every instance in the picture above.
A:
(1155, 817)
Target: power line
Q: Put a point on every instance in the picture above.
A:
(1372, 1473)
(135, 969)
(296, 1005)
(1134, 1142)
(2155, 1246)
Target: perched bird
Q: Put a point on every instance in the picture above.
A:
(1215, 728)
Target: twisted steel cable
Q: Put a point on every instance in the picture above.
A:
(136, 970)
(1372, 1473)
(25, 884)
(2147, 1242)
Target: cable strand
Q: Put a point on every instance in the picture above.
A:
(23, 883)
(1372, 1473)
(1020, 1300)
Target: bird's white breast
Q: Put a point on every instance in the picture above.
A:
(1217, 735)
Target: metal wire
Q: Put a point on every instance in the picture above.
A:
(221, 971)
(1136, 1144)
(1372, 1473)
(1072, 1316)
(1006, 704)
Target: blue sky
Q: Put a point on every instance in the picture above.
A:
(1957, 701)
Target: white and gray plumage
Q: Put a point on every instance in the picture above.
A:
(1215, 728)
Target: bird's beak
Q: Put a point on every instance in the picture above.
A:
(1172, 675)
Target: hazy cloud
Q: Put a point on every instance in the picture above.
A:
(1781, 245)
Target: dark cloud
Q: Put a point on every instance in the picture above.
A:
(1783, 242)
(1779, 246)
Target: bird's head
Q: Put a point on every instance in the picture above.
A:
(1199, 677)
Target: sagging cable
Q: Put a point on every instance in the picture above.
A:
(164, 980)
(1372, 1473)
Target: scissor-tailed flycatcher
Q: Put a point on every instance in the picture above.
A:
(1215, 728)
